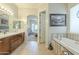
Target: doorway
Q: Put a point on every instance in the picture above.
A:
(32, 28)
(42, 26)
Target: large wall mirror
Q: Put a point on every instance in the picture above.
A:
(4, 23)
(17, 24)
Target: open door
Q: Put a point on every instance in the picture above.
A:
(42, 26)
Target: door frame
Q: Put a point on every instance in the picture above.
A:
(27, 26)
(39, 24)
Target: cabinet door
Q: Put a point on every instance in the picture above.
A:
(54, 46)
(4, 46)
(16, 40)
(64, 51)
(59, 49)
(1, 46)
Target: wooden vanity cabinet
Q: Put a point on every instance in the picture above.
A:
(9, 44)
(4, 46)
(15, 41)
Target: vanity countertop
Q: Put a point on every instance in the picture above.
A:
(71, 45)
(10, 34)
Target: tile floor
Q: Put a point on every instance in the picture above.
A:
(32, 38)
(32, 48)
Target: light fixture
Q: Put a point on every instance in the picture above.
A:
(6, 10)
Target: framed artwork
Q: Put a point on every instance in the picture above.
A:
(57, 19)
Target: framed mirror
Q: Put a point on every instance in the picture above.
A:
(4, 23)
(17, 24)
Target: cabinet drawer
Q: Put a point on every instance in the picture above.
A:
(1, 45)
(13, 39)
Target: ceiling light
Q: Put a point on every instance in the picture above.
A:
(6, 10)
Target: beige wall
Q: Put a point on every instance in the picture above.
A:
(25, 10)
(23, 13)
(56, 8)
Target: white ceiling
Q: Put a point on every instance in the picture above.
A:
(29, 5)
